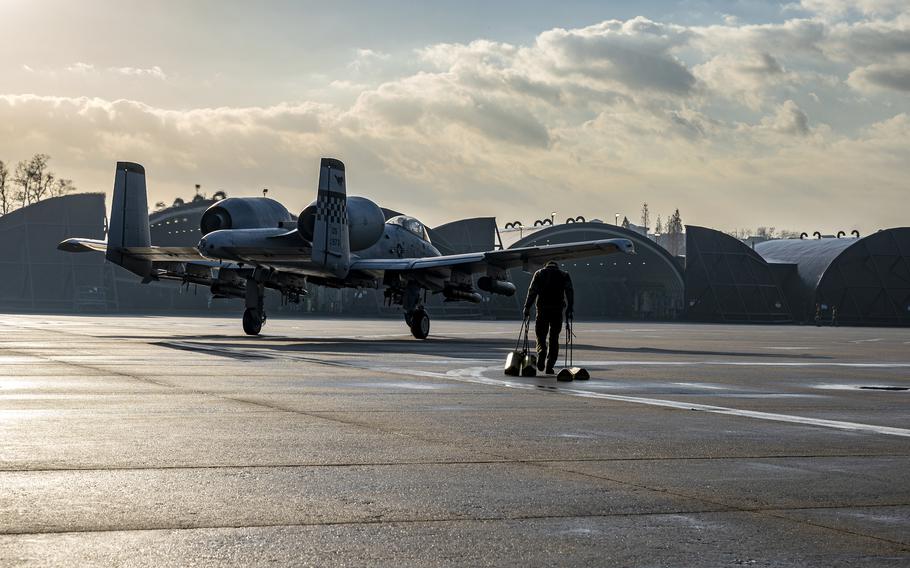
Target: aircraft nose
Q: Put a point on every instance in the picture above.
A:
(203, 246)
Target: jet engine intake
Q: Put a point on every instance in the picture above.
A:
(494, 286)
(244, 213)
(366, 222)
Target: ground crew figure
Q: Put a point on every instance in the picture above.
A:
(552, 289)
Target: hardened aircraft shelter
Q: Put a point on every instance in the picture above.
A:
(853, 281)
(834, 280)
(728, 281)
(646, 286)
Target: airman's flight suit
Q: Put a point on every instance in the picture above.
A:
(552, 289)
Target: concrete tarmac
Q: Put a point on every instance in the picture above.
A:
(177, 441)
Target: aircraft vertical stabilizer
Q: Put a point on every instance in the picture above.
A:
(129, 220)
(331, 246)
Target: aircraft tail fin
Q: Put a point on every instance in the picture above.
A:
(331, 246)
(128, 225)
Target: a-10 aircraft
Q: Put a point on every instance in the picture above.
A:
(250, 244)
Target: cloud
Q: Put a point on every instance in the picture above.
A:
(867, 41)
(154, 72)
(838, 9)
(894, 75)
(709, 118)
(81, 68)
(635, 54)
(745, 78)
(788, 119)
(89, 70)
(366, 61)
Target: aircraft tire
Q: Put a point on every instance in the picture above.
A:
(252, 322)
(420, 324)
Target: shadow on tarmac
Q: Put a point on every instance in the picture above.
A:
(264, 347)
(455, 347)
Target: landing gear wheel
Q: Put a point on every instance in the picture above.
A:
(252, 321)
(420, 324)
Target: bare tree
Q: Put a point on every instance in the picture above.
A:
(22, 177)
(765, 232)
(658, 226)
(35, 181)
(44, 188)
(62, 187)
(645, 216)
(675, 233)
(6, 200)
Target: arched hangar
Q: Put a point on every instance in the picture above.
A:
(864, 281)
(648, 285)
(728, 281)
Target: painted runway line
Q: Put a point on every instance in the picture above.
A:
(475, 375)
(701, 386)
(894, 365)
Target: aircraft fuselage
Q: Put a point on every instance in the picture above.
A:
(288, 251)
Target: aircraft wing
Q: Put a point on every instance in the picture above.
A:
(525, 257)
(152, 253)
(82, 245)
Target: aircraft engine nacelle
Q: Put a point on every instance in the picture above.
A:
(244, 213)
(366, 222)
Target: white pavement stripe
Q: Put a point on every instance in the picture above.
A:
(895, 365)
(474, 375)
(701, 386)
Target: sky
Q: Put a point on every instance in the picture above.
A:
(739, 113)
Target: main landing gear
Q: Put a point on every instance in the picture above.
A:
(253, 321)
(414, 313)
(419, 322)
(254, 314)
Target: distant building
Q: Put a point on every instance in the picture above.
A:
(38, 277)
(866, 281)
(646, 286)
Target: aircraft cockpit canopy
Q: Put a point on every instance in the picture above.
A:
(412, 225)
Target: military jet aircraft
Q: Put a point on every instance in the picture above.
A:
(250, 244)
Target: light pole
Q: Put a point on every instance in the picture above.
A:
(617, 219)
